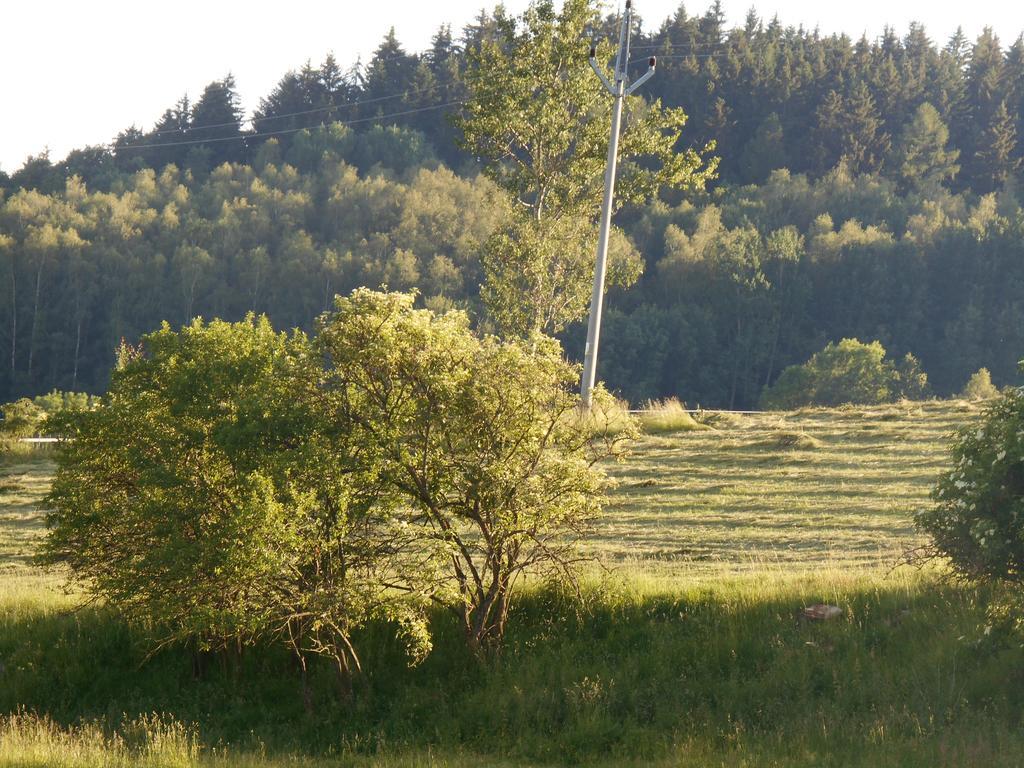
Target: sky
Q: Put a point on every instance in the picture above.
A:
(77, 73)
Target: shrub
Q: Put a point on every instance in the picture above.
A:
(208, 498)
(481, 437)
(22, 418)
(980, 386)
(978, 517)
(847, 372)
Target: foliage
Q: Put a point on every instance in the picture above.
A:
(206, 498)
(977, 521)
(923, 155)
(847, 372)
(980, 386)
(539, 119)
(880, 245)
(21, 418)
(482, 438)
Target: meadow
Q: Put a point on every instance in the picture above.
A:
(687, 649)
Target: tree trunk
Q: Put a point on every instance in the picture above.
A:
(344, 670)
(35, 319)
(307, 694)
(14, 317)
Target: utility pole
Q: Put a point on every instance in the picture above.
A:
(618, 90)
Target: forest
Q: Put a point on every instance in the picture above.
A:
(863, 189)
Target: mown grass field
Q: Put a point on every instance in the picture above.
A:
(687, 650)
(807, 488)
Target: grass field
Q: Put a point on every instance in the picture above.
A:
(801, 489)
(687, 652)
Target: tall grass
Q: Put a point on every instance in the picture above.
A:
(30, 740)
(692, 659)
(686, 670)
(664, 416)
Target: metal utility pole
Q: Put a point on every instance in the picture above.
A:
(618, 90)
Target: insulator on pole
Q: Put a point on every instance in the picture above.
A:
(652, 62)
(593, 52)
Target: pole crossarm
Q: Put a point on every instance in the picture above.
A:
(618, 90)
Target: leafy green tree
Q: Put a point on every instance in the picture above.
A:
(977, 521)
(22, 418)
(208, 499)
(980, 386)
(482, 437)
(909, 381)
(539, 120)
(847, 372)
(923, 157)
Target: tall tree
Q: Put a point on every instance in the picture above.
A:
(217, 121)
(539, 120)
(996, 160)
(923, 157)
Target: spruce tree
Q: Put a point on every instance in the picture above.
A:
(217, 119)
(996, 160)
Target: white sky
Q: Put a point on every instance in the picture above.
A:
(76, 73)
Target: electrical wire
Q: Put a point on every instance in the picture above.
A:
(247, 136)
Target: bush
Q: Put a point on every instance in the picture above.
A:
(847, 372)
(978, 518)
(22, 418)
(480, 437)
(980, 386)
(209, 499)
(231, 488)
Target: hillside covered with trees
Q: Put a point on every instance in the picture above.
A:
(865, 189)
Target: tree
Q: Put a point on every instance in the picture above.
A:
(390, 73)
(977, 521)
(849, 128)
(847, 372)
(207, 499)
(21, 418)
(765, 151)
(923, 158)
(482, 437)
(217, 118)
(538, 118)
(996, 161)
(980, 386)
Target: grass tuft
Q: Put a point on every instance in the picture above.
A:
(666, 416)
(795, 441)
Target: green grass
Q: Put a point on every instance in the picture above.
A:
(688, 652)
(796, 490)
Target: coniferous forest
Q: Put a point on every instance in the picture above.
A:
(864, 188)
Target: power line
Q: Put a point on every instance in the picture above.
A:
(244, 137)
(344, 105)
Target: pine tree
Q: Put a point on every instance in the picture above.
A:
(850, 129)
(765, 151)
(996, 160)
(217, 119)
(923, 158)
(391, 72)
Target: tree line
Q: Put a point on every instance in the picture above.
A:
(863, 190)
(769, 96)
